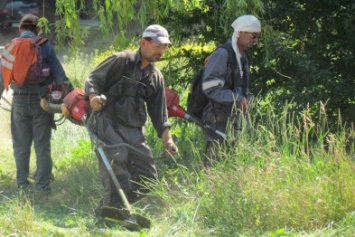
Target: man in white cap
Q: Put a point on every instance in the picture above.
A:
(226, 82)
(133, 86)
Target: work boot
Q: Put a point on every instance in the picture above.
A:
(115, 213)
(44, 190)
(115, 203)
(24, 186)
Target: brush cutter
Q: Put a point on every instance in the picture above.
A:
(125, 217)
(79, 111)
(175, 110)
(57, 119)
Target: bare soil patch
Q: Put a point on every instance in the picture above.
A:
(5, 131)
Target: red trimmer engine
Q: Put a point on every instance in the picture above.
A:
(172, 103)
(75, 107)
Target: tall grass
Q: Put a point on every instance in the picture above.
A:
(283, 175)
(285, 171)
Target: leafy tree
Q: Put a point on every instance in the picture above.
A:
(305, 55)
(312, 55)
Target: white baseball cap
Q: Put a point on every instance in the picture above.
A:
(158, 33)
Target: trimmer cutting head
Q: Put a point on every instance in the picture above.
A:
(124, 217)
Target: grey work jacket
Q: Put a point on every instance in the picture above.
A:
(131, 91)
(217, 87)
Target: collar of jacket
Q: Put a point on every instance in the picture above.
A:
(27, 34)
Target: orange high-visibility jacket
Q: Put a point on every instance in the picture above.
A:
(16, 60)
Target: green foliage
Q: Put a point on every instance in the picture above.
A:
(78, 66)
(43, 23)
(69, 28)
(124, 44)
(305, 62)
(273, 177)
(311, 61)
(180, 69)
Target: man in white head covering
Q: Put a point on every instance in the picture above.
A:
(247, 30)
(226, 82)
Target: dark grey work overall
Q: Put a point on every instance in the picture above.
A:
(122, 123)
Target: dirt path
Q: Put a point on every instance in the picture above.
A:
(5, 133)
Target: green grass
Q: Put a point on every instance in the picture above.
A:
(286, 176)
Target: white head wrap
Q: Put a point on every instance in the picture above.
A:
(247, 23)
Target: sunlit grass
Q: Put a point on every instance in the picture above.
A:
(287, 175)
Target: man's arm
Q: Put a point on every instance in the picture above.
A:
(168, 141)
(56, 67)
(157, 110)
(215, 77)
(105, 75)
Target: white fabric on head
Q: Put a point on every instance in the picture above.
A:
(247, 23)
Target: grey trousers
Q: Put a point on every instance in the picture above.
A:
(31, 124)
(132, 167)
